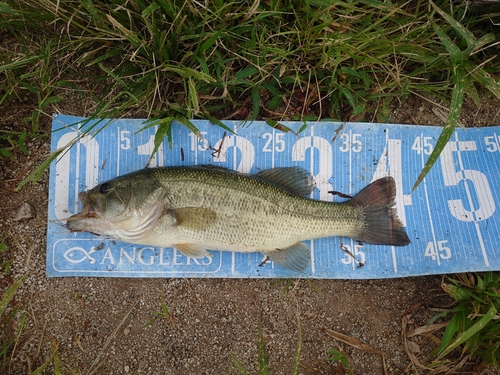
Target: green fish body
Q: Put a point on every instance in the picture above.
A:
(204, 207)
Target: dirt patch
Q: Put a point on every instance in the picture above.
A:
(99, 324)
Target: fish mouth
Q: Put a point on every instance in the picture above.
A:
(80, 222)
(90, 218)
(88, 209)
(83, 215)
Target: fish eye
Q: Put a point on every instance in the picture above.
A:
(104, 188)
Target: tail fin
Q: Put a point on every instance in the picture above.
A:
(382, 225)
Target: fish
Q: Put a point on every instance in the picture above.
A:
(199, 208)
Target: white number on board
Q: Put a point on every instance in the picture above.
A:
(241, 144)
(422, 144)
(87, 173)
(202, 143)
(474, 182)
(321, 149)
(147, 148)
(355, 256)
(278, 141)
(391, 164)
(441, 250)
(124, 140)
(351, 142)
(492, 143)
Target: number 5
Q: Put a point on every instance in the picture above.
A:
(452, 177)
(124, 140)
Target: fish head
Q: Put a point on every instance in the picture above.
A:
(125, 208)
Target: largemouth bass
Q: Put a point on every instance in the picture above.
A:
(205, 207)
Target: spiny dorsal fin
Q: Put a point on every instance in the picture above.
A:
(295, 257)
(296, 180)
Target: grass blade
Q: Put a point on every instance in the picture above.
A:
(298, 350)
(38, 171)
(239, 366)
(338, 356)
(278, 126)
(164, 130)
(449, 332)
(478, 326)
(262, 355)
(5, 8)
(193, 102)
(485, 79)
(131, 36)
(218, 122)
(9, 294)
(459, 28)
(186, 72)
(57, 366)
(457, 97)
(456, 56)
(19, 63)
(42, 368)
(188, 124)
(209, 42)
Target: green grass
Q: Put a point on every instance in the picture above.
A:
(273, 60)
(471, 327)
(8, 343)
(263, 358)
(12, 327)
(291, 59)
(338, 356)
(157, 315)
(474, 326)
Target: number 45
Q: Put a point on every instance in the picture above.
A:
(440, 251)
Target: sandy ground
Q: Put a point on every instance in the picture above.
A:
(98, 325)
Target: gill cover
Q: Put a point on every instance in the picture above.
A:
(126, 208)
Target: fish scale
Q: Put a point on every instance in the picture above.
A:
(252, 215)
(203, 207)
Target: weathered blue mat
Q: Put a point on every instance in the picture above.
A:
(451, 218)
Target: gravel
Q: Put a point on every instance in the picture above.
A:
(99, 324)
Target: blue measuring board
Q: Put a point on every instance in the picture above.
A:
(452, 218)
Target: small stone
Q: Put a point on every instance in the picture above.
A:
(413, 346)
(25, 212)
(126, 331)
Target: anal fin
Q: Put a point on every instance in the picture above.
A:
(295, 257)
(192, 250)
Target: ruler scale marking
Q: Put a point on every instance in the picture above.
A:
(452, 218)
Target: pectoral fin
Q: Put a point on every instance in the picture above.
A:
(197, 218)
(295, 257)
(192, 250)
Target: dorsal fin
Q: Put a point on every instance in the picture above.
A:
(295, 180)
